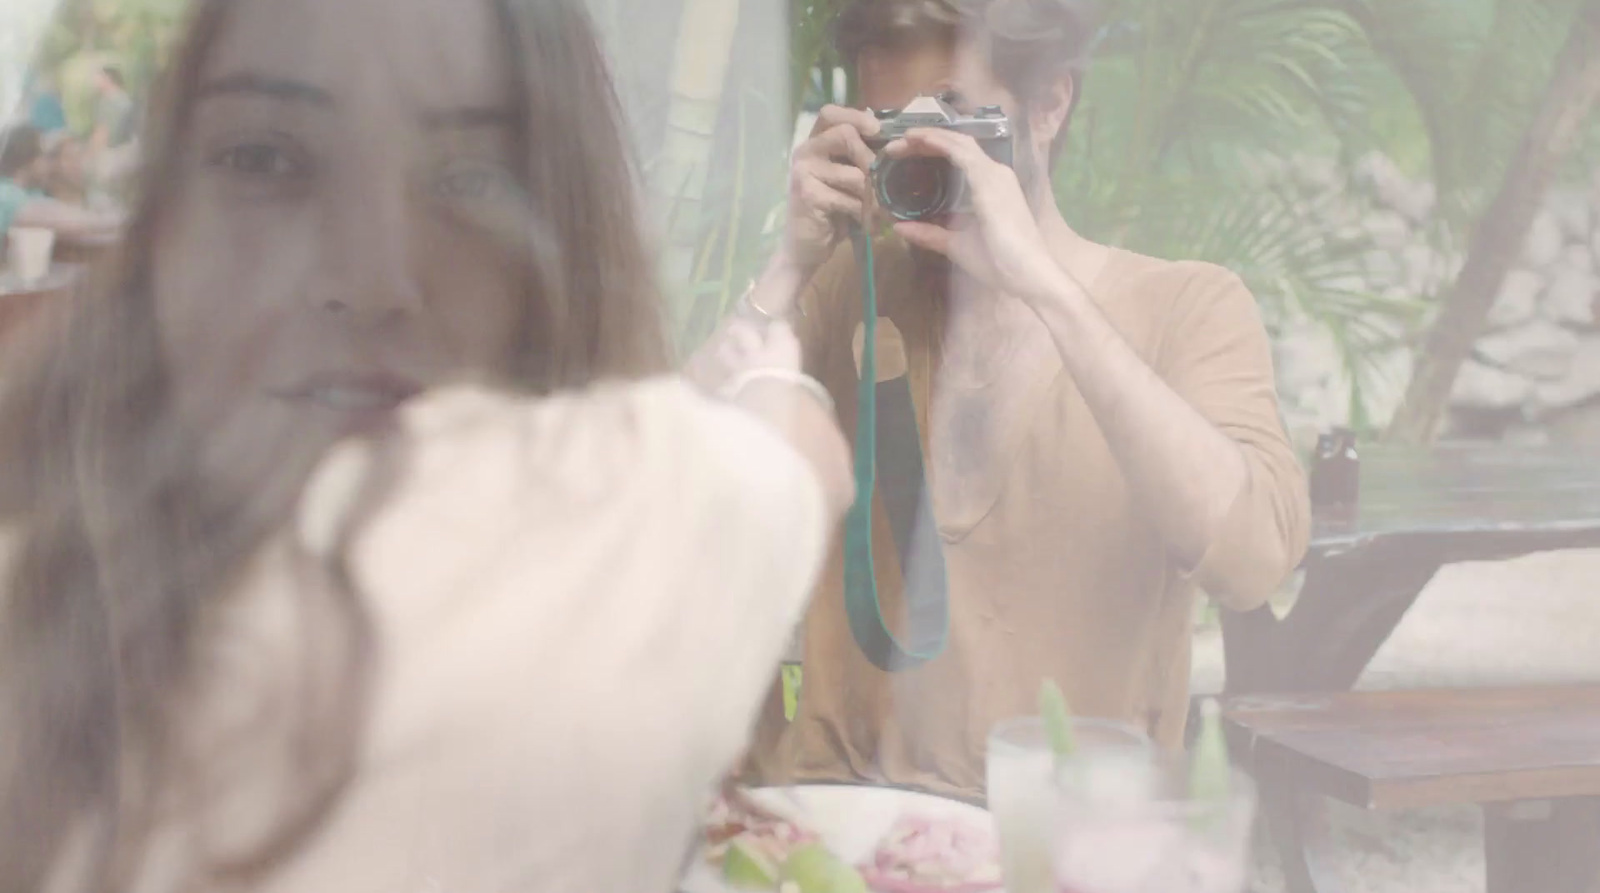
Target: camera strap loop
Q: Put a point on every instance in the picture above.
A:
(889, 462)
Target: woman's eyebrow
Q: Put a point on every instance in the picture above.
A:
(290, 90)
(467, 117)
(253, 84)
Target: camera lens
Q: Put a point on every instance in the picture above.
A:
(914, 188)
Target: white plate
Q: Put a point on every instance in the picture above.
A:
(851, 821)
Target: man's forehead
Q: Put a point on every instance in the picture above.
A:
(924, 66)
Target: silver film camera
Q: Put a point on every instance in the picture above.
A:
(918, 188)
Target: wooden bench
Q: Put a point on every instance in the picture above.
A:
(1530, 757)
(21, 303)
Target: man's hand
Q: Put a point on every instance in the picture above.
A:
(828, 184)
(998, 242)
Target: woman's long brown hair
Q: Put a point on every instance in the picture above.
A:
(119, 551)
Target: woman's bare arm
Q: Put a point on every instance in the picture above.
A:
(767, 355)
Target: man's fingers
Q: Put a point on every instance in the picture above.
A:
(960, 148)
(832, 116)
(843, 143)
(830, 201)
(927, 236)
(843, 177)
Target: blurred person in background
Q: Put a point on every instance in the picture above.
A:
(67, 179)
(359, 535)
(46, 112)
(26, 173)
(1101, 428)
(114, 149)
(116, 118)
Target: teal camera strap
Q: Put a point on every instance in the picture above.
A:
(889, 461)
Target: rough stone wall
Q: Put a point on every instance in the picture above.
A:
(1535, 374)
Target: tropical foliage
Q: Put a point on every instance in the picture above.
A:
(1185, 98)
(136, 35)
(1185, 104)
(1515, 122)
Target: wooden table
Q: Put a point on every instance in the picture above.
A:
(20, 300)
(1421, 508)
(86, 250)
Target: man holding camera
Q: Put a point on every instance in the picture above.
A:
(1099, 429)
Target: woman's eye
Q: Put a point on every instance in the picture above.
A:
(260, 161)
(470, 181)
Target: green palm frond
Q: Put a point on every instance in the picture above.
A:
(810, 45)
(1186, 98)
(1190, 90)
(1475, 72)
(1296, 267)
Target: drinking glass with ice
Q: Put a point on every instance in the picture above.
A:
(1021, 767)
(1168, 825)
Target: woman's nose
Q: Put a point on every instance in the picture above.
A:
(371, 249)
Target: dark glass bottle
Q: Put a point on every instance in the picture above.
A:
(1336, 474)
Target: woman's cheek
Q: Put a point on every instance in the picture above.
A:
(474, 304)
(225, 294)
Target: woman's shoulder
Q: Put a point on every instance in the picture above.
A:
(471, 469)
(592, 443)
(527, 619)
(597, 592)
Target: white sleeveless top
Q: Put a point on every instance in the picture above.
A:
(579, 602)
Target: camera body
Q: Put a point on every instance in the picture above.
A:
(919, 188)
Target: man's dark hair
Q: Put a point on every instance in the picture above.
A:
(19, 147)
(114, 74)
(1031, 44)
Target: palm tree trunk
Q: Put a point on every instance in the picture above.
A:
(705, 43)
(1497, 241)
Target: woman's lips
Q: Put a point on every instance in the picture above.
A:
(355, 393)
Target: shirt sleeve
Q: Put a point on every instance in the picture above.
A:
(1219, 359)
(580, 602)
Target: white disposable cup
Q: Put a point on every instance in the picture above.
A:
(28, 251)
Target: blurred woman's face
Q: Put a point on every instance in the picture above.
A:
(337, 238)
